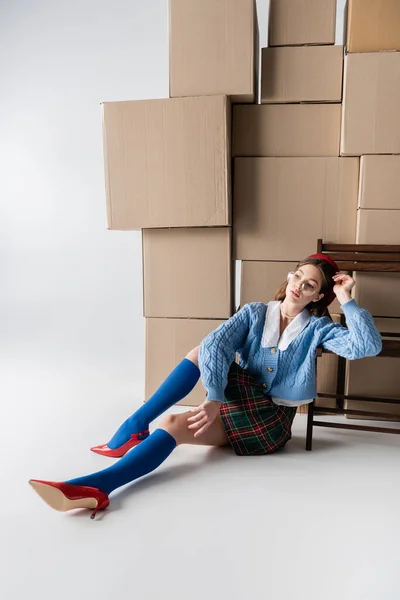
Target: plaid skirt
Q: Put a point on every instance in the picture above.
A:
(253, 423)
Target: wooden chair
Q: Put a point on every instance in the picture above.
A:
(358, 257)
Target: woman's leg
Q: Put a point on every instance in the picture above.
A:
(178, 384)
(172, 432)
(177, 426)
(142, 460)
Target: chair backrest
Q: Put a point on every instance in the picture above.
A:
(363, 257)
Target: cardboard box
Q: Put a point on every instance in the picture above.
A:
(261, 280)
(188, 273)
(167, 162)
(371, 100)
(302, 74)
(298, 22)
(168, 341)
(378, 226)
(373, 25)
(213, 48)
(376, 376)
(286, 130)
(379, 293)
(380, 183)
(282, 206)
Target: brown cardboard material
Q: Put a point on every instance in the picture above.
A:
(167, 162)
(188, 273)
(379, 293)
(380, 183)
(376, 376)
(371, 100)
(213, 48)
(261, 280)
(168, 341)
(378, 226)
(286, 130)
(302, 74)
(373, 25)
(298, 22)
(283, 205)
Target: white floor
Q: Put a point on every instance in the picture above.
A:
(320, 525)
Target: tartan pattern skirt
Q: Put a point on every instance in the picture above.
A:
(253, 423)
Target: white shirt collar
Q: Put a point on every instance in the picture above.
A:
(270, 336)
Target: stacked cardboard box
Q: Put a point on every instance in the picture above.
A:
(371, 130)
(291, 186)
(167, 163)
(373, 25)
(213, 48)
(168, 174)
(296, 162)
(301, 22)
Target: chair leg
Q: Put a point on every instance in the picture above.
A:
(310, 422)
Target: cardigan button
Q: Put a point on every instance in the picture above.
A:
(270, 369)
(273, 350)
(264, 385)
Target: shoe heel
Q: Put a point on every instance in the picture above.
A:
(100, 506)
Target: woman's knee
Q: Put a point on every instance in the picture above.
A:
(193, 355)
(175, 425)
(178, 426)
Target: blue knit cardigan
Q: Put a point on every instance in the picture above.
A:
(286, 365)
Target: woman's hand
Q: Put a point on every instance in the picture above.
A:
(205, 415)
(343, 284)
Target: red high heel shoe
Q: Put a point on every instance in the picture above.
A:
(135, 439)
(65, 496)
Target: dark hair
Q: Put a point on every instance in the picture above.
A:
(320, 308)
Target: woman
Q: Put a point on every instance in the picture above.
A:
(251, 405)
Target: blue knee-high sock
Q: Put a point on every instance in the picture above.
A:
(142, 460)
(178, 384)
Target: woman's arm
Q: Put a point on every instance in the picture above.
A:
(218, 349)
(361, 338)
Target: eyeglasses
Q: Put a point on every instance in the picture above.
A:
(308, 288)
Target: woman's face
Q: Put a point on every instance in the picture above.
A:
(304, 285)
